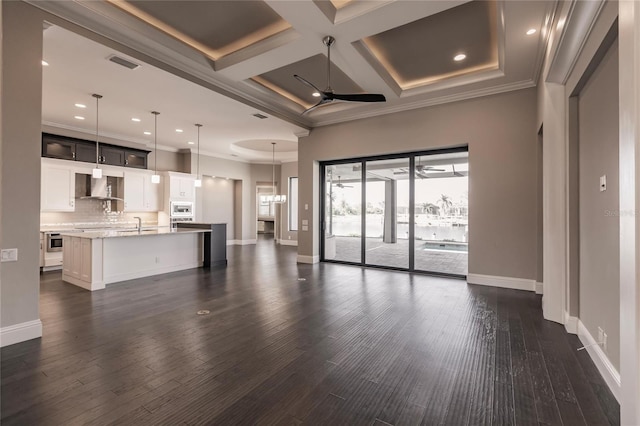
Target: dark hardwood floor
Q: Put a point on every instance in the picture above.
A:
(345, 346)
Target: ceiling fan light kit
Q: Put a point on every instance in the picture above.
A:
(327, 95)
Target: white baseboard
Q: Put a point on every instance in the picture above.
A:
(308, 259)
(288, 242)
(241, 242)
(22, 332)
(600, 359)
(571, 323)
(503, 282)
(539, 288)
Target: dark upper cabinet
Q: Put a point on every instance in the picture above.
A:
(137, 159)
(112, 156)
(58, 148)
(86, 152)
(67, 148)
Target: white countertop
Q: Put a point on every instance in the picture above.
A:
(133, 233)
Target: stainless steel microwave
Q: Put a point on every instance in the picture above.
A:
(182, 209)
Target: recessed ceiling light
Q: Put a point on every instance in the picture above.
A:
(459, 57)
(179, 130)
(531, 31)
(45, 63)
(137, 120)
(316, 94)
(81, 105)
(147, 133)
(78, 117)
(191, 143)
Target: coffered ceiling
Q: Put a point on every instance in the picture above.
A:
(249, 50)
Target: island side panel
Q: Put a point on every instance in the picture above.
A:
(141, 256)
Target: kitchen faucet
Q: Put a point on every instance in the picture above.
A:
(139, 223)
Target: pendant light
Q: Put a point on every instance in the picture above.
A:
(274, 197)
(155, 178)
(96, 173)
(198, 182)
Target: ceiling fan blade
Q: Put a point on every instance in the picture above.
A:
(308, 83)
(322, 102)
(359, 97)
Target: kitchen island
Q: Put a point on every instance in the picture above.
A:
(92, 260)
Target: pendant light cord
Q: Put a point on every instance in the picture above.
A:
(98, 97)
(155, 142)
(198, 160)
(273, 168)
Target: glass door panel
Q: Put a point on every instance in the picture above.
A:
(442, 213)
(387, 213)
(343, 212)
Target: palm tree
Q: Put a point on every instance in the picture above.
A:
(429, 208)
(445, 202)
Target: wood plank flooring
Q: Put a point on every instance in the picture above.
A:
(344, 346)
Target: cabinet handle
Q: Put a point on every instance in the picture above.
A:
(73, 155)
(126, 162)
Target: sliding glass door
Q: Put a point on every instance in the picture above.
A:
(441, 213)
(343, 213)
(407, 212)
(387, 213)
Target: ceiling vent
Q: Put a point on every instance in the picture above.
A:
(124, 62)
(260, 116)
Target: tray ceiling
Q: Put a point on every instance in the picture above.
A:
(249, 50)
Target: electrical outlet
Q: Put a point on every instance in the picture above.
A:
(600, 336)
(604, 341)
(157, 259)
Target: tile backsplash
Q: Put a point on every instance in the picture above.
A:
(95, 214)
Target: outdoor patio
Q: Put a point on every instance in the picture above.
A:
(397, 255)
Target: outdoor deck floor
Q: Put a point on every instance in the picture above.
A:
(397, 255)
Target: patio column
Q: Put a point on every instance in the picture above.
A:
(390, 212)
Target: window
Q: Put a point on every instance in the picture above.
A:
(293, 204)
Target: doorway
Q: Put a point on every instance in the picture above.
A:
(406, 212)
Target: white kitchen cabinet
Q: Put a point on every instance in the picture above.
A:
(140, 194)
(77, 258)
(181, 187)
(57, 189)
(42, 241)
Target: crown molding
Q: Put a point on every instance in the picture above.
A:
(575, 30)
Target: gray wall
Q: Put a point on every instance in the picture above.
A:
(599, 221)
(502, 137)
(287, 170)
(218, 203)
(20, 165)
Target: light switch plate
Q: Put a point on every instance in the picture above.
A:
(9, 255)
(305, 228)
(306, 206)
(603, 183)
(305, 221)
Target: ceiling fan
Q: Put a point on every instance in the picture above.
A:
(327, 95)
(341, 185)
(421, 168)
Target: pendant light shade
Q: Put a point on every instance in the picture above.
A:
(198, 182)
(274, 197)
(155, 178)
(96, 173)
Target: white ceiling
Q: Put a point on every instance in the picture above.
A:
(78, 68)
